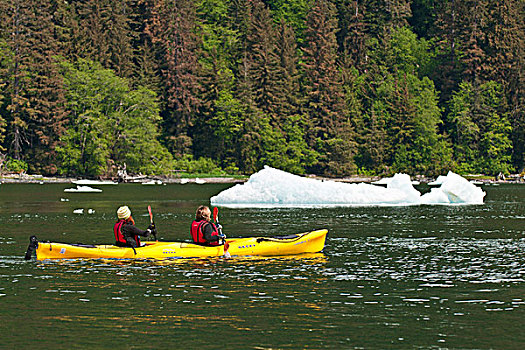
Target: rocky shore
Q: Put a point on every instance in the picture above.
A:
(27, 178)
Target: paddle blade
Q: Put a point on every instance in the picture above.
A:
(150, 214)
(226, 252)
(215, 214)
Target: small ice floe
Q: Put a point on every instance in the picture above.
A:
(199, 181)
(91, 211)
(78, 211)
(184, 181)
(387, 180)
(64, 200)
(82, 189)
(41, 182)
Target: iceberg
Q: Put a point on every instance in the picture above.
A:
(276, 188)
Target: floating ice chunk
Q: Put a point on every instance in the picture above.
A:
(184, 181)
(276, 188)
(454, 190)
(82, 189)
(91, 211)
(199, 181)
(78, 211)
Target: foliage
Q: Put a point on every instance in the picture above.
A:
(111, 125)
(12, 165)
(197, 166)
(481, 133)
(330, 87)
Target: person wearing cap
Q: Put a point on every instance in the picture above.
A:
(202, 230)
(126, 233)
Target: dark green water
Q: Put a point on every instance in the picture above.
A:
(403, 277)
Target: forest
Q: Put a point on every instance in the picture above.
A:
(326, 87)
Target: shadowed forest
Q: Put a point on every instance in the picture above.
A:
(327, 87)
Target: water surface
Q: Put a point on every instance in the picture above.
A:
(399, 277)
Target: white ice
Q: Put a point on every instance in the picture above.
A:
(93, 182)
(276, 188)
(82, 189)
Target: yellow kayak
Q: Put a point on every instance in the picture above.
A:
(307, 242)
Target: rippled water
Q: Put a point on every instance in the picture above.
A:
(402, 277)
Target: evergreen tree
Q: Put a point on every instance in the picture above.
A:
(293, 12)
(382, 16)
(423, 19)
(447, 74)
(173, 30)
(332, 134)
(220, 113)
(102, 32)
(352, 35)
(506, 58)
(5, 57)
(472, 39)
(480, 131)
(33, 91)
(288, 99)
(263, 61)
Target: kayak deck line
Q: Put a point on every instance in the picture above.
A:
(307, 242)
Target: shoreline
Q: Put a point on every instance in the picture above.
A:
(40, 179)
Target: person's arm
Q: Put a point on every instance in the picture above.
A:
(208, 231)
(130, 231)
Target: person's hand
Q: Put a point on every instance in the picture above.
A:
(151, 227)
(222, 236)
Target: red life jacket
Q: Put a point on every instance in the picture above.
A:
(120, 240)
(197, 234)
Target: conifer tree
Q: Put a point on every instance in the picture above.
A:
(173, 31)
(332, 133)
(473, 22)
(288, 98)
(506, 59)
(102, 32)
(384, 15)
(263, 66)
(447, 73)
(352, 34)
(35, 99)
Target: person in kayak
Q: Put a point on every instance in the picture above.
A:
(202, 230)
(126, 233)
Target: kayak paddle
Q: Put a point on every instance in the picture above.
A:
(151, 221)
(226, 245)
